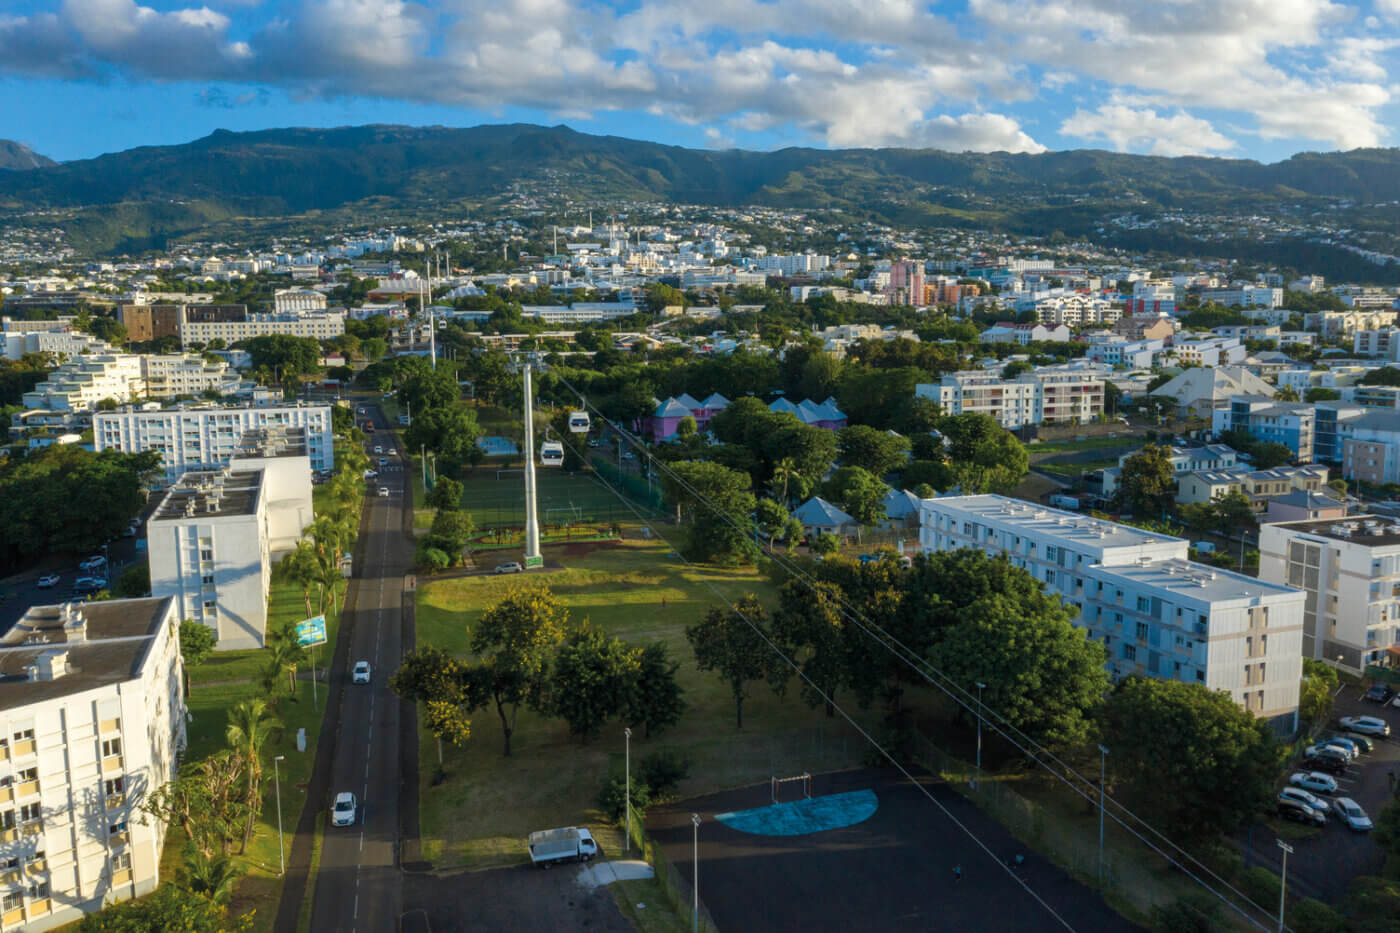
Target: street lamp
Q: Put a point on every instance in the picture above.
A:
(627, 735)
(980, 687)
(1103, 784)
(277, 782)
(695, 877)
(1283, 881)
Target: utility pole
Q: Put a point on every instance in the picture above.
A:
(1283, 881)
(980, 687)
(695, 876)
(627, 736)
(281, 849)
(1103, 771)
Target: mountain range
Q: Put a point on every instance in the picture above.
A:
(19, 157)
(141, 196)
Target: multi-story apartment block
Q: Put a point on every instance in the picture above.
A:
(200, 327)
(206, 437)
(1042, 397)
(1134, 354)
(1350, 571)
(21, 337)
(1156, 613)
(92, 718)
(1287, 423)
(1302, 378)
(1209, 351)
(298, 300)
(208, 548)
(1381, 342)
(1074, 310)
(170, 375)
(1341, 323)
(82, 382)
(1244, 296)
(1151, 299)
(1023, 334)
(280, 453)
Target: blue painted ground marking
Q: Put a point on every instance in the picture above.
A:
(810, 815)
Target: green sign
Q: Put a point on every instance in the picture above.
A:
(311, 631)
(532, 562)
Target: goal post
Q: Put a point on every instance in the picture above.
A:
(804, 780)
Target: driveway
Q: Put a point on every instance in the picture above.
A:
(1323, 866)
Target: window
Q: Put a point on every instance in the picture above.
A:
(1142, 631)
(116, 829)
(1201, 676)
(29, 774)
(111, 747)
(7, 819)
(12, 901)
(121, 861)
(39, 890)
(206, 554)
(34, 857)
(26, 736)
(114, 786)
(1144, 604)
(11, 862)
(1129, 653)
(29, 812)
(207, 579)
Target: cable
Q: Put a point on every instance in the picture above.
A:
(844, 715)
(918, 665)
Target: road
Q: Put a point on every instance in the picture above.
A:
(358, 886)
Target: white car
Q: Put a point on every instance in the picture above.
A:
(393, 452)
(1298, 795)
(49, 580)
(379, 448)
(1366, 725)
(93, 562)
(371, 474)
(510, 566)
(360, 673)
(1312, 781)
(1351, 814)
(383, 492)
(345, 810)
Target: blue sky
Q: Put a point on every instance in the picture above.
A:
(1242, 78)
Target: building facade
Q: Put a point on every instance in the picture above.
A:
(92, 719)
(82, 382)
(1048, 397)
(1156, 613)
(200, 328)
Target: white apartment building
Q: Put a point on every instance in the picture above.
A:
(82, 382)
(1381, 342)
(1155, 612)
(205, 437)
(169, 375)
(798, 264)
(207, 543)
(92, 717)
(319, 325)
(298, 300)
(1074, 310)
(1244, 296)
(1209, 351)
(1134, 354)
(1041, 397)
(21, 337)
(280, 453)
(581, 313)
(1341, 323)
(1350, 570)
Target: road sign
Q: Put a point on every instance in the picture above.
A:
(311, 631)
(531, 563)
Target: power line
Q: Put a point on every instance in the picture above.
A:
(952, 689)
(844, 715)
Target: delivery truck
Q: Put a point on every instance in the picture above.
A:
(567, 844)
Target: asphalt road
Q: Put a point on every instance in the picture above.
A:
(507, 900)
(358, 886)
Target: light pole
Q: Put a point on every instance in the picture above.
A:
(1283, 881)
(980, 687)
(695, 877)
(1103, 784)
(277, 782)
(627, 736)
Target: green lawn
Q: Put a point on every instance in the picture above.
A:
(1074, 469)
(482, 813)
(496, 496)
(1088, 443)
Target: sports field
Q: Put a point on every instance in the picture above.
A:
(496, 497)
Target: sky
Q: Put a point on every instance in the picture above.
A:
(1260, 79)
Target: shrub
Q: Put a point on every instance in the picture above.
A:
(1313, 916)
(1260, 885)
(663, 771)
(612, 797)
(431, 558)
(1187, 915)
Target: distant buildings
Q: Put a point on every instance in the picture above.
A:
(1022, 334)
(1244, 296)
(1145, 326)
(1040, 397)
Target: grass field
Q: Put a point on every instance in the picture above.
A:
(480, 816)
(1089, 443)
(497, 497)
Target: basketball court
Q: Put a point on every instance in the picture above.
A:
(864, 850)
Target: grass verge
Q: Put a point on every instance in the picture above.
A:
(304, 915)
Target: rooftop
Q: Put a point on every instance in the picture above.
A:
(1366, 530)
(280, 441)
(1093, 533)
(101, 643)
(1190, 580)
(208, 494)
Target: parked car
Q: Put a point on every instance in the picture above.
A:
(345, 810)
(393, 452)
(1321, 748)
(1379, 692)
(371, 474)
(1360, 741)
(383, 492)
(49, 580)
(1301, 796)
(1351, 814)
(1366, 725)
(93, 562)
(360, 673)
(1353, 746)
(379, 448)
(383, 461)
(1331, 763)
(88, 584)
(1301, 813)
(510, 566)
(1312, 781)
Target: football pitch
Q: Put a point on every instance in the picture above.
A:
(496, 498)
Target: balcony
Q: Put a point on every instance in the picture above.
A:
(9, 835)
(115, 800)
(27, 747)
(119, 839)
(109, 725)
(32, 828)
(121, 877)
(9, 876)
(12, 918)
(26, 788)
(7, 794)
(39, 908)
(36, 866)
(112, 764)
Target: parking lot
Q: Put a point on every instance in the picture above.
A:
(1322, 866)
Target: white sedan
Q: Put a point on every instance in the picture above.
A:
(1351, 814)
(49, 580)
(345, 810)
(383, 492)
(360, 673)
(1366, 725)
(1314, 781)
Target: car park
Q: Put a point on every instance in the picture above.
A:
(509, 566)
(1366, 725)
(1298, 795)
(345, 810)
(1301, 813)
(1314, 781)
(48, 580)
(360, 673)
(1379, 692)
(1350, 813)
(383, 492)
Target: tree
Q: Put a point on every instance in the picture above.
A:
(730, 642)
(1387, 829)
(1226, 777)
(776, 523)
(170, 907)
(250, 726)
(212, 877)
(432, 677)
(686, 428)
(1320, 394)
(982, 455)
(877, 452)
(1384, 376)
(196, 642)
(859, 494)
(825, 543)
(654, 698)
(449, 431)
(426, 389)
(1147, 482)
(716, 501)
(1286, 394)
(450, 533)
(809, 628)
(446, 494)
(784, 471)
(592, 678)
(515, 641)
(1267, 456)
(286, 357)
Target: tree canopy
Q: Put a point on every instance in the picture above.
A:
(1147, 483)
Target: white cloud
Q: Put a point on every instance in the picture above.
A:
(976, 132)
(1125, 128)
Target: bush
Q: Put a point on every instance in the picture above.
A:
(433, 559)
(663, 771)
(1312, 916)
(1260, 885)
(134, 582)
(1187, 915)
(612, 797)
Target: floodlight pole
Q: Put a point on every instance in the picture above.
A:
(1283, 881)
(695, 876)
(980, 687)
(627, 736)
(1103, 785)
(281, 849)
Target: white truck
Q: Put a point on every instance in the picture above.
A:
(567, 844)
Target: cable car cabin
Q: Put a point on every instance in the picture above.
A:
(551, 454)
(578, 422)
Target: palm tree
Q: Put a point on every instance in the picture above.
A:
(251, 725)
(300, 567)
(210, 876)
(784, 470)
